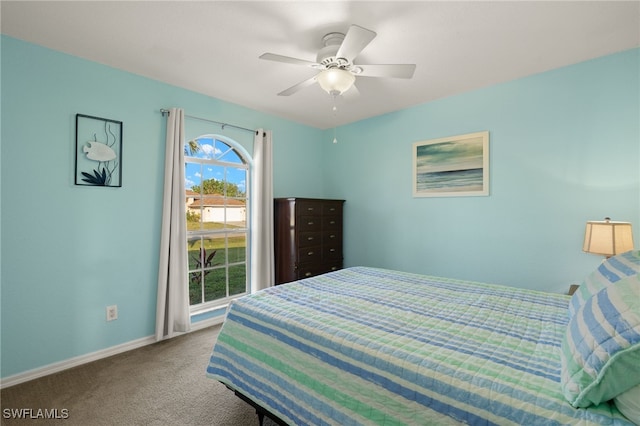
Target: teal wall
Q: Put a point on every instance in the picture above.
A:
(69, 251)
(564, 149)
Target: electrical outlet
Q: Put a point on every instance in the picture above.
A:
(112, 312)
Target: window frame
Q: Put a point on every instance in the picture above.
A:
(226, 233)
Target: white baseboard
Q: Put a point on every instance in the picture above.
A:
(74, 362)
(94, 356)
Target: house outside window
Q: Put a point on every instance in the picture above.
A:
(216, 202)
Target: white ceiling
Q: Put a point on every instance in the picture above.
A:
(212, 47)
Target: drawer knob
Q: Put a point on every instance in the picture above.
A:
(333, 222)
(332, 250)
(332, 236)
(310, 209)
(310, 222)
(309, 238)
(308, 274)
(310, 253)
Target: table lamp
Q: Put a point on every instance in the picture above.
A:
(607, 237)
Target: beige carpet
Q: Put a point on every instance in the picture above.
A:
(159, 384)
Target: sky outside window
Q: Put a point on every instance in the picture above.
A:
(210, 148)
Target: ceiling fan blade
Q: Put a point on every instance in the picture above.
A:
(288, 60)
(387, 70)
(356, 39)
(293, 89)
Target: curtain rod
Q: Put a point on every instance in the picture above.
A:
(223, 125)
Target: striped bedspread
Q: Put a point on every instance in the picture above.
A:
(371, 346)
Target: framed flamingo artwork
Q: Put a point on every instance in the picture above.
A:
(98, 151)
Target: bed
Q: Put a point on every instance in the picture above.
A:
(373, 346)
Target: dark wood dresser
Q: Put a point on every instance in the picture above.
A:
(308, 237)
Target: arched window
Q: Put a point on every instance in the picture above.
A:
(217, 182)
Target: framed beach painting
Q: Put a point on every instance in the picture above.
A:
(455, 166)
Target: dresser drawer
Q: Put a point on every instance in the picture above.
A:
(310, 254)
(333, 266)
(330, 208)
(331, 223)
(307, 239)
(309, 223)
(331, 251)
(309, 270)
(309, 208)
(332, 237)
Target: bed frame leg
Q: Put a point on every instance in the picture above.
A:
(261, 412)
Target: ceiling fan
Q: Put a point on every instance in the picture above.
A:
(335, 63)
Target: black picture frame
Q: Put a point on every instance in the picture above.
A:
(98, 151)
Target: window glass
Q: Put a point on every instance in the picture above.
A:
(216, 180)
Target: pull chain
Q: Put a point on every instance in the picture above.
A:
(335, 140)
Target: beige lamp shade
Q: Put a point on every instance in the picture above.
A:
(607, 237)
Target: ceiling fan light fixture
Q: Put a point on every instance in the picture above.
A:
(335, 80)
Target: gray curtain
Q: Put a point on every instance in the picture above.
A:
(172, 312)
(262, 257)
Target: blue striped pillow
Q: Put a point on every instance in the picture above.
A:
(601, 347)
(609, 271)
